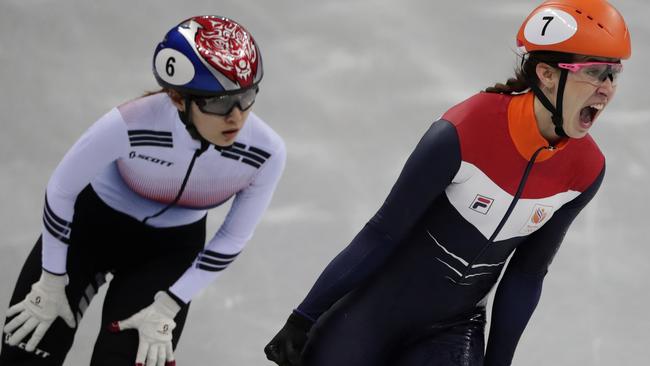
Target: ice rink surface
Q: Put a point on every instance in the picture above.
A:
(351, 86)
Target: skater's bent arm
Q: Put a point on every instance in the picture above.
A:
(104, 142)
(428, 171)
(237, 229)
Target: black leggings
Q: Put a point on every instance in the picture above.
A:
(143, 260)
(453, 343)
(341, 340)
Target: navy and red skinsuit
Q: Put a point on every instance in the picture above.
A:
(480, 184)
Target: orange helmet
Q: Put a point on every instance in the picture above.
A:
(584, 27)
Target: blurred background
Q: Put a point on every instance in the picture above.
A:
(351, 86)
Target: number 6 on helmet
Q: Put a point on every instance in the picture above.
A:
(208, 55)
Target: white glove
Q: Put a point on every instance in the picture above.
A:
(154, 324)
(46, 302)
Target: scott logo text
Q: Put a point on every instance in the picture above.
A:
(133, 155)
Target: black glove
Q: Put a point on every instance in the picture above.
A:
(285, 348)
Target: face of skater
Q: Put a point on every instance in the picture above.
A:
(590, 86)
(218, 121)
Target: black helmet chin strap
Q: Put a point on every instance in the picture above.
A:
(186, 118)
(557, 110)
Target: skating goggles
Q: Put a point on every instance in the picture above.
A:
(222, 105)
(595, 73)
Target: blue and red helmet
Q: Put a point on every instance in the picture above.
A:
(208, 55)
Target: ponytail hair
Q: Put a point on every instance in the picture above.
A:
(525, 73)
(171, 93)
(514, 85)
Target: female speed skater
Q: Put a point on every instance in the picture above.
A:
(503, 172)
(131, 196)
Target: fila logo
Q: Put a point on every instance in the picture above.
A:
(133, 155)
(481, 204)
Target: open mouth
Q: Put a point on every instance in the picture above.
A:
(230, 133)
(588, 114)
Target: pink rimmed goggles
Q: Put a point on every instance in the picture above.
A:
(595, 72)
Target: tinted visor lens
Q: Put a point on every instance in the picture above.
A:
(595, 72)
(598, 73)
(222, 105)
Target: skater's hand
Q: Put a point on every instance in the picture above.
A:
(286, 347)
(42, 305)
(154, 325)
